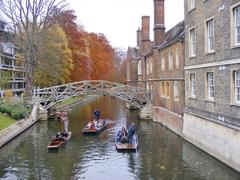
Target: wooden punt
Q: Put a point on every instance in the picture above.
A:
(95, 129)
(55, 143)
(127, 146)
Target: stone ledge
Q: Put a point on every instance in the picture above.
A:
(7, 134)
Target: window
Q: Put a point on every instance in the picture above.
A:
(139, 68)
(177, 58)
(170, 60)
(176, 91)
(193, 85)
(210, 35)
(210, 85)
(236, 17)
(163, 64)
(237, 86)
(191, 4)
(167, 89)
(192, 43)
(162, 89)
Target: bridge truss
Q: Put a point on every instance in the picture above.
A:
(135, 96)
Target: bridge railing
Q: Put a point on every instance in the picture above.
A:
(134, 95)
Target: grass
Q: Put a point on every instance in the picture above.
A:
(5, 121)
(69, 101)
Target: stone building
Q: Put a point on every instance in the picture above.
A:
(212, 78)
(168, 96)
(12, 67)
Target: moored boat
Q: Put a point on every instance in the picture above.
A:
(126, 146)
(58, 142)
(95, 127)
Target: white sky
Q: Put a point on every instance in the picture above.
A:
(119, 19)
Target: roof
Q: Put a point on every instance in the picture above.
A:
(173, 35)
(133, 53)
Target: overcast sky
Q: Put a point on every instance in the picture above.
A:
(119, 19)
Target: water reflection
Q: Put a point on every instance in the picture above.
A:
(161, 154)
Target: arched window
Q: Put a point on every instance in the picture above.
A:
(139, 68)
(170, 60)
(167, 89)
(176, 91)
(177, 58)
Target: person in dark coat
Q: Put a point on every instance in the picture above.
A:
(131, 132)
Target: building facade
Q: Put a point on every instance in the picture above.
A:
(168, 97)
(212, 78)
(160, 68)
(12, 67)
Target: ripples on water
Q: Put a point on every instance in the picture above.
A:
(161, 155)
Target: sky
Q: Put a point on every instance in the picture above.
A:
(119, 20)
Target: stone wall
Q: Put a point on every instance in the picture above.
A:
(169, 119)
(216, 139)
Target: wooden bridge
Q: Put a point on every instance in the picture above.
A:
(135, 96)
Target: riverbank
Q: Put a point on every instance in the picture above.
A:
(6, 121)
(17, 128)
(74, 101)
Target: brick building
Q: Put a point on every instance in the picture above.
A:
(154, 70)
(212, 78)
(168, 97)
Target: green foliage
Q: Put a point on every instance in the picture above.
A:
(5, 77)
(54, 59)
(16, 111)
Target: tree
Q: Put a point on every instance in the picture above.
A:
(54, 59)
(101, 55)
(78, 43)
(5, 77)
(27, 20)
(120, 56)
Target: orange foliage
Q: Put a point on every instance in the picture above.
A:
(93, 56)
(77, 43)
(101, 55)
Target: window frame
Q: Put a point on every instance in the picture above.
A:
(163, 64)
(192, 46)
(170, 60)
(209, 38)
(176, 90)
(234, 35)
(191, 5)
(210, 87)
(236, 87)
(177, 58)
(192, 85)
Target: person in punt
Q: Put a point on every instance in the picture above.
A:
(124, 135)
(96, 116)
(90, 125)
(64, 120)
(131, 132)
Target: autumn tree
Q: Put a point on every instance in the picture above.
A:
(28, 20)
(78, 43)
(54, 59)
(101, 55)
(120, 56)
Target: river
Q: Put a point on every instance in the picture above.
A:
(162, 155)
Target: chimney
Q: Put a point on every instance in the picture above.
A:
(145, 40)
(159, 27)
(145, 28)
(138, 37)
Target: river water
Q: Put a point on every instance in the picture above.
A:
(162, 155)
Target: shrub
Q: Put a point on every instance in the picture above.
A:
(16, 111)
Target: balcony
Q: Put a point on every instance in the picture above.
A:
(11, 67)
